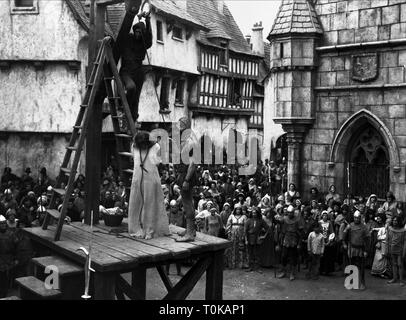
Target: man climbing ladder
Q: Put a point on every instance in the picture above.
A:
(133, 51)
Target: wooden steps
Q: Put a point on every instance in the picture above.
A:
(31, 288)
(71, 275)
(11, 298)
(65, 267)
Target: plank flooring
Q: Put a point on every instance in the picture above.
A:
(113, 250)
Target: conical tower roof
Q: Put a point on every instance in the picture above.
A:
(296, 16)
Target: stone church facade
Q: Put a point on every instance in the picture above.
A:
(337, 85)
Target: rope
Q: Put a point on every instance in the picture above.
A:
(142, 182)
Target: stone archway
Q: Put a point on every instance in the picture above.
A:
(342, 151)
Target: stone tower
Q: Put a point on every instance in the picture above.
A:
(293, 38)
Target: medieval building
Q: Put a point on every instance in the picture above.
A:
(337, 86)
(43, 59)
(199, 66)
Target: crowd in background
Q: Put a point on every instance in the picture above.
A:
(269, 223)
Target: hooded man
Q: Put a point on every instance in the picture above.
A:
(133, 51)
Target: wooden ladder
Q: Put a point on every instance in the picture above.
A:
(104, 70)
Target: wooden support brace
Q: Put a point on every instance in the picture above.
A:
(125, 287)
(165, 279)
(119, 293)
(182, 289)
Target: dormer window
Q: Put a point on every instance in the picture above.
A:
(24, 6)
(177, 33)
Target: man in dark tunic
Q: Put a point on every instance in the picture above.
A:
(133, 51)
(356, 241)
(186, 178)
(291, 235)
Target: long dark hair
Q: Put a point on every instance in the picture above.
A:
(142, 140)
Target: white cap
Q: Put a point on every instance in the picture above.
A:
(173, 203)
(291, 209)
(50, 188)
(357, 214)
(2, 219)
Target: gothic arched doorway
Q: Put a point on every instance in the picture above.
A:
(368, 163)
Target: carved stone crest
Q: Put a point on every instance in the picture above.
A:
(365, 67)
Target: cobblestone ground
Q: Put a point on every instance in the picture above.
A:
(241, 285)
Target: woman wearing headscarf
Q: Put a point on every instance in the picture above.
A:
(381, 266)
(292, 193)
(213, 223)
(252, 187)
(237, 254)
(372, 202)
(328, 259)
(265, 203)
(332, 194)
(224, 215)
(266, 249)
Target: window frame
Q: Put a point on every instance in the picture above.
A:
(180, 103)
(225, 51)
(232, 93)
(34, 9)
(160, 30)
(174, 37)
(165, 104)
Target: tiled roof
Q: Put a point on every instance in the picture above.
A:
(78, 10)
(170, 8)
(222, 25)
(296, 16)
(165, 7)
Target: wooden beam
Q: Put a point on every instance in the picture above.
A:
(214, 277)
(108, 2)
(104, 286)
(126, 288)
(165, 279)
(119, 293)
(139, 282)
(182, 289)
(94, 133)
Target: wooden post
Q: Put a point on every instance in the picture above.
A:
(214, 277)
(104, 286)
(139, 281)
(94, 131)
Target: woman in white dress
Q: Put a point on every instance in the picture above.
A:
(146, 213)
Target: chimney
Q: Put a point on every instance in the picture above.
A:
(220, 6)
(257, 39)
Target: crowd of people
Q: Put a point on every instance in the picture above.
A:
(269, 223)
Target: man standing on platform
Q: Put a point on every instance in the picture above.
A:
(133, 51)
(187, 179)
